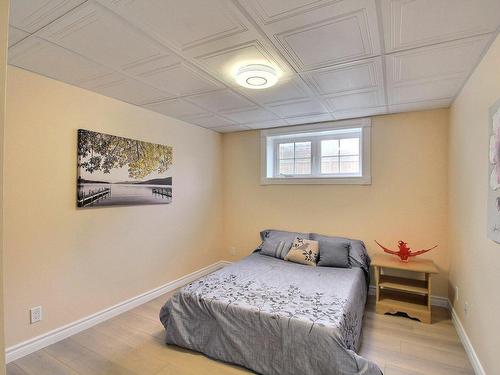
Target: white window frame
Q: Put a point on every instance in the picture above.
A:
(276, 144)
(315, 133)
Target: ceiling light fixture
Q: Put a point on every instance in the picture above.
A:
(256, 76)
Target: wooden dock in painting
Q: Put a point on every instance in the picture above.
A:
(164, 192)
(86, 199)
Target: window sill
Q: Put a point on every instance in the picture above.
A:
(316, 181)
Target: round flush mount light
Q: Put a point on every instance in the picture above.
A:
(256, 76)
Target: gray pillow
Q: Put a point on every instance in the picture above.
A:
(333, 251)
(277, 243)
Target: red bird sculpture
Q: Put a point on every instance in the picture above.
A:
(405, 252)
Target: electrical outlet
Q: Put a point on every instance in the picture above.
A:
(35, 314)
(456, 293)
(232, 251)
(466, 308)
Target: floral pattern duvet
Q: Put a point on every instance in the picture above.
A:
(274, 317)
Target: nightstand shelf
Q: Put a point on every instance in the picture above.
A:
(411, 296)
(403, 284)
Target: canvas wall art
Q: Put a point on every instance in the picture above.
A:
(494, 174)
(115, 171)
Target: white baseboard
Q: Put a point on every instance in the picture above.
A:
(32, 345)
(435, 300)
(440, 301)
(469, 349)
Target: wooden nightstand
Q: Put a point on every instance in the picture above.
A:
(401, 294)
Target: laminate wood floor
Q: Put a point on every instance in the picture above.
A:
(133, 343)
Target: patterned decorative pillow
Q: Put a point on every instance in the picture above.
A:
(303, 251)
(277, 243)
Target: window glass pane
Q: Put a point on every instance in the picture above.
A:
(330, 147)
(302, 150)
(349, 164)
(349, 146)
(302, 166)
(286, 166)
(329, 165)
(286, 150)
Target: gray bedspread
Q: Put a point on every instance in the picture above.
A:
(274, 317)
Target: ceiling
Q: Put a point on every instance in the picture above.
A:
(337, 59)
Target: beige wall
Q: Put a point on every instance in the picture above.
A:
(4, 17)
(77, 262)
(407, 199)
(474, 264)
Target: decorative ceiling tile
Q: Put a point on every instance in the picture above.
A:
(37, 55)
(357, 100)
(180, 79)
(269, 11)
(433, 72)
(102, 80)
(358, 75)
(220, 101)
(128, 90)
(324, 34)
(284, 90)
(166, 60)
(267, 124)
(425, 90)
(362, 112)
(307, 55)
(458, 57)
(93, 31)
(230, 129)
(419, 106)
(310, 119)
(177, 108)
(16, 35)
(410, 24)
(250, 115)
(208, 121)
(186, 23)
(32, 15)
(298, 108)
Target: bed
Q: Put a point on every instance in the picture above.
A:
(274, 316)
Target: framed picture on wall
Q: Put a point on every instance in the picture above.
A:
(494, 174)
(117, 171)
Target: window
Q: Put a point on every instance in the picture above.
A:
(294, 158)
(340, 156)
(336, 152)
